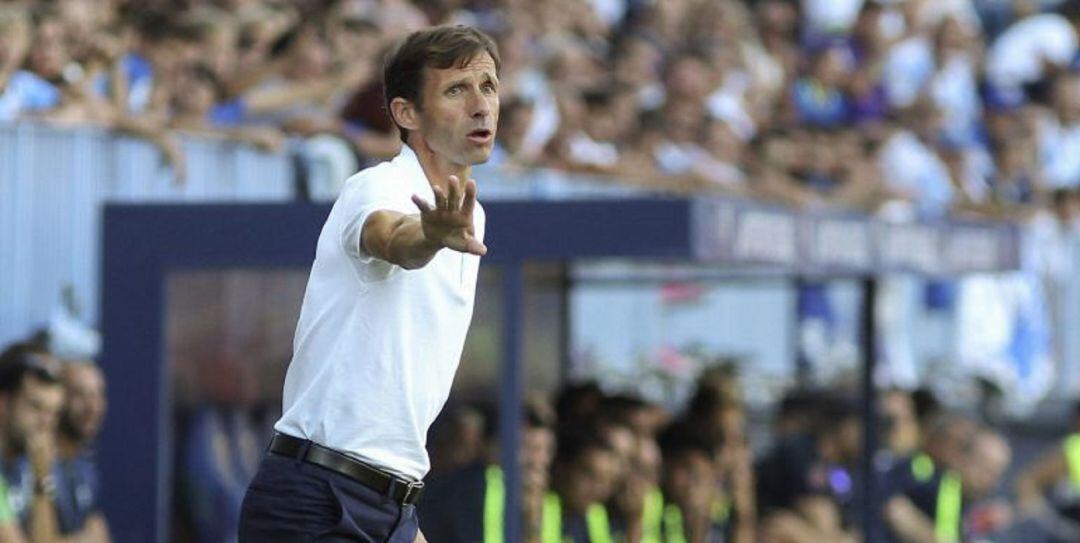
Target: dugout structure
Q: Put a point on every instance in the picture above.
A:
(144, 243)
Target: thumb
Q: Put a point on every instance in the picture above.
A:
(474, 246)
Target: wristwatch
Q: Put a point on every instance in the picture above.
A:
(45, 486)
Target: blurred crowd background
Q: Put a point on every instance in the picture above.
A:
(954, 106)
(902, 109)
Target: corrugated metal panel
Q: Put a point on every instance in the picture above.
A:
(53, 183)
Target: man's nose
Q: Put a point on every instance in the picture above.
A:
(480, 107)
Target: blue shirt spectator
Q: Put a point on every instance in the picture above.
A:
(77, 493)
(27, 92)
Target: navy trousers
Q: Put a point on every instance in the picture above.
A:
(290, 501)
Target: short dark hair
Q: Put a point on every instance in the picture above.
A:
(22, 359)
(440, 47)
(682, 438)
(573, 444)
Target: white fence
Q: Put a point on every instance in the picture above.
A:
(53, 183)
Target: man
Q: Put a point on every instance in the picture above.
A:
(912, 486)
(468, 505)
(690, 493)
(77, 486)
(928, 500)
(1048, 489)
(386, 310)
(583, 477)
(31, 396)
(805, 487)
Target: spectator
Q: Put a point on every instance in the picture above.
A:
(902, 433)
(1048, 489)
(464, 505)
(77, 489)
(805, 487)
(818, 97)
(636, 505)
(584, 474)
(1034, 48)
(31, 397)
(23, 91)
(1058, 132)
(928, 497)
(689, 504)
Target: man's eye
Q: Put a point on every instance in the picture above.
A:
(456, 89)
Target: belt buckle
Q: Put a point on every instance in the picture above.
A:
(413, 488)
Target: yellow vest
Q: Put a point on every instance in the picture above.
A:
(596, 517)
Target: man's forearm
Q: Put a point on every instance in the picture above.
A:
(43, 520)
(908, 523)
(407, 246)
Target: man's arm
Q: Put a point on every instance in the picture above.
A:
(823, 516)
(1032, 482)
(42, 527)
(411, 241)
(909, 523)
(94, 531)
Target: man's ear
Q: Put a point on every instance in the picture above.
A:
(404, 113)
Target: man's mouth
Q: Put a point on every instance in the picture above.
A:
(481, 135)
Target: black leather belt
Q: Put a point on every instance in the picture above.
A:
(397, 489)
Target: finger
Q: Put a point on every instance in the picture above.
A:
(440, 197)
(424, 205)
(453, 193)
(470, 198)
(473, 246)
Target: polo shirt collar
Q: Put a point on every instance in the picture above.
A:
(410, 164)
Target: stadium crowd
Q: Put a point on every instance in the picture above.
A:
(922, 108)
(959, 106)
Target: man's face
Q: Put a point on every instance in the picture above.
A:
(592, 478)
(84, 406)
(537, 451)
(689, 480)
(850, 440)
(460, 110)
(35, 408)
(985, 465)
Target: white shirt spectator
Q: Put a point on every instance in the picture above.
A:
(611, 12)
(934, 13)
(1019, 54)
(831, 16)
(534, 87)
(955, 90)
(916, 170)
(909, 66)
(1059, 150)
(377, 346)
(589, 152)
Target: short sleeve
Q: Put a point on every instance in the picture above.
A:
(40, 94)
(230, 113)
(362, 197)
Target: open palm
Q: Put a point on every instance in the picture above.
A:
(449, 223)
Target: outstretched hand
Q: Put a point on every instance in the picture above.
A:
(449, 223)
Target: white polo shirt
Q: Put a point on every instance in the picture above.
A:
(377, 346)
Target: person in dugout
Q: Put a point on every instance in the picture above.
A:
(805, 484)
(467, 505)
(584, 475)
(1048, 490)
(939, 494)
(693, 512)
